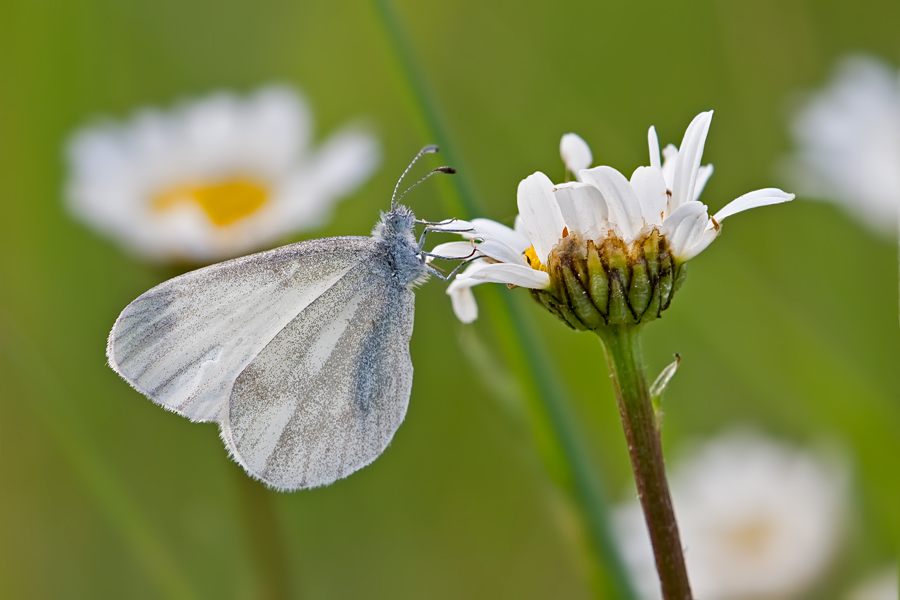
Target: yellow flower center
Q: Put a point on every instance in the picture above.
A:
(224, 202)
(534, 261)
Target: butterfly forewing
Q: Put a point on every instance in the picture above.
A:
(185, 342)
(325, 396)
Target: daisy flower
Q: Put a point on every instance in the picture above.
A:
(603, 249)
(213, 178)
(848, 143)
(758, 519)
(882, 586)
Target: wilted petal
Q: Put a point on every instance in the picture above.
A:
(688, 161)
(540, 214)
(505, 273)
(583, 208)
(624, 206)
(650, 187)
(753, 199)
(684, 226)
(575, 152)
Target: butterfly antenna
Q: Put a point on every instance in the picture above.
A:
(422, 152)
(448, 170)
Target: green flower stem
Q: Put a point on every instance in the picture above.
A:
(586, 487)
(622, 346)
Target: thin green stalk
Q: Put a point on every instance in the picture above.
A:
(587, 488)
(52, 403)
(622, 346)
(269, 564)
(266, 550)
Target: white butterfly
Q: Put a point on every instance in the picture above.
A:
(301, 353)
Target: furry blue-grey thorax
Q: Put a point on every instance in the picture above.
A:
(405, 262)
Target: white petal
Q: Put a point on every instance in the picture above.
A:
(514, 274)
(455, 225)
(684, 226)
(700, 244)
(575, 152)
(345, 160)
(486, 228)
(583, 208)
(540, 213)
(650, 187)
(753, 199)
(502, 252)
(455, 249)
(519, 228)
(463, 301)
(653, 143)
(623, 203)
(703, 176)
(688, 161)
(670, 157)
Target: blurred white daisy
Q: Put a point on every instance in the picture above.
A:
(848, 143)
(757, 519)
(601, 205)
(883, 586)
(215, 177)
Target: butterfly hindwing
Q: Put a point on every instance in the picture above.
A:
(325, 396)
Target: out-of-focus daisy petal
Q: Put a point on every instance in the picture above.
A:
(346, 160)
(575, 152)
(684, 226)
(650, 187)
(624, 206)
(703, 176)
(758, 519)
(753, 199)
(688, 161)
(583, 208)
(213, 178)
(540, 214)
(513, 274)
(848, 142)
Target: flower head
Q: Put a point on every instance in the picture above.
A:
(214, 177)
(848, 143)
(758, 519)
(604, 249)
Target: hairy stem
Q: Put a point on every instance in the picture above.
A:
(622, 347)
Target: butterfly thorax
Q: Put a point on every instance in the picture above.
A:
(396, 232)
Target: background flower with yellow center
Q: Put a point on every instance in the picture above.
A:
(213, 178)
(759, 519)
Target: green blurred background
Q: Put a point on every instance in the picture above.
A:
(788, 323)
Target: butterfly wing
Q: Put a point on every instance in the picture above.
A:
(325, 396)
(185, 342)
